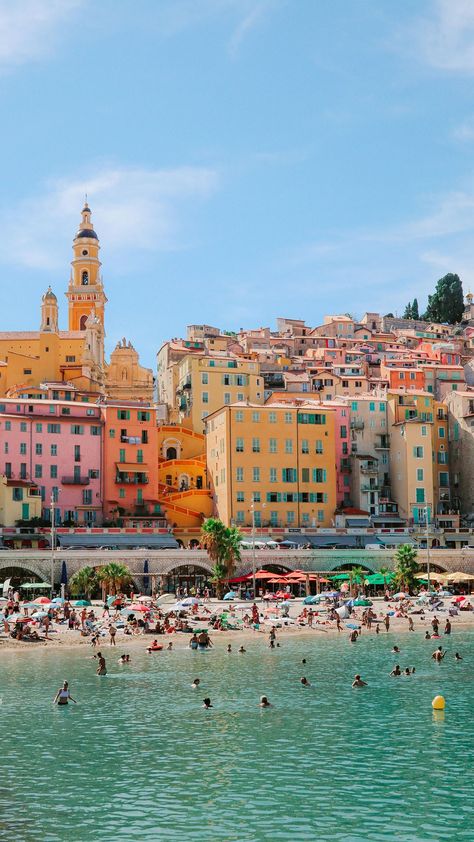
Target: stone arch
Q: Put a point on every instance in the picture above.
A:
(83, 322)
(27, 567)
(171, 442)
(184, 482)
(342, 566)
(172, 566)
(434, 568)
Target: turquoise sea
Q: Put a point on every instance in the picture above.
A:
(138, 757)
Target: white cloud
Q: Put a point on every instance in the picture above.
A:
(446, 39)
(29, 28)
(133, 210)
(248, 23)
(464, 133)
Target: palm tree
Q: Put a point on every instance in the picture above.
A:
(384, 571)
(114, 576)
(223, 548)
(356, 576)
(406, 566)
(83, 582)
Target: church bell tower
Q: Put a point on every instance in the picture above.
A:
(85, 293)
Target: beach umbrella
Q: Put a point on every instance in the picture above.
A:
(58, 600)
(188, 602)
(459, 577)
(363, 602)
(137, 607)
(229, 595)
(264, 574)
(145, 599)
(401, 595)
(38, 615)
(63, 579)
(42, 600)
(81, 603)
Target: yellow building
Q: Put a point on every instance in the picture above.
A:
(279, 459)
(419, 457)
(75, 356)
(182, 480)
(207, 383)
(19, 500)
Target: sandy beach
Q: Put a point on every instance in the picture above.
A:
(61, 637)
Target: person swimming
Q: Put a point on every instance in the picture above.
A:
(438, 655)
(194, 642)
(229, 648)
(427, 635)
(457, 656)
(196, 683)
(396, 650)
(264, 703)
(407, 671)
(396, 670)
(207, 704)
(102, 668)
(155, 647)
(358, 681)
(242, 650)
(170, 646)
(63, 695)
(304, 681)
(303, 661)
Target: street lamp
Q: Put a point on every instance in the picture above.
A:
(53, 537)
(252, 509)
(427, 514)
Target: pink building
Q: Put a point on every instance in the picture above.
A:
(57, 445)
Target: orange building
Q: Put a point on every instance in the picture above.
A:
(182, 477)
(130, 463)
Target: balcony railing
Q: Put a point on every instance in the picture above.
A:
(357, 424)
(137, 479)
(367, 488)
(75, 480)
(369, 468)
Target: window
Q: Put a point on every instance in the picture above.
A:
(305, 518)
(95, 431)
(255, 445)
(311, 418)
(273, 475)
(52, 409)
(419, 474)
(140, 456)
(70, 359)
(343, 430)
(8, 425)
(121, 492)
(345, 384)
(205, 397)
(272, 417)
(240, 497)
(65, 410)
(23, 448)
(274, 518)
(53, 471)
(381, 407)
(227, 398)
(319, 475)
(239, 445)
(255, 416)
(39, 449)
(123, 414)
(87, 497)
(27, 371)
(354, 406)
(305, 475)
(77, 453)
(204, 378)
(122, 454)
(371, 406)
(320, 515)
(5, 447)
(288, 445)
(256, 474)
(38, 471)
(17, 494)
(319, 446)
(111, 433)
(144, 436)
(272, 445)
(23, 426)
(441, 432)
(290, 517)
(77, 429)
(256, 498)
(288, 475)
(288, 417)
(418, 452)
(239, 474)
(8, 469)
(420, 495)
(239, 415)
(240, 516)
(240, 396)
(54, 450)
(304, 446)
(258, 518)
(423, 431)
(93, 473)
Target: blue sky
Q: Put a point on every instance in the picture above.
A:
(244, 159)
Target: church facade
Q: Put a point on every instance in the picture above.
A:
(74, 357)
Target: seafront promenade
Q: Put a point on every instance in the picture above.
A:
(164, 563)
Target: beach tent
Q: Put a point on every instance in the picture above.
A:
(459, 577)
(379, 579)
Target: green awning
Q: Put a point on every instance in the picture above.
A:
(341, 577)
(378, 579)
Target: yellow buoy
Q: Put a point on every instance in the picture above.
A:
(438, 703)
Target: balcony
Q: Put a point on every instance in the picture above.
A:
(136, 479)
(366, 488)
(357, 424)
(75, 480)
(383, 444)
(369, 468)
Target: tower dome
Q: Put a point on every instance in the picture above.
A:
(49, 295)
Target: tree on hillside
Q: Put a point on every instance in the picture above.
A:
(406, 567)
(408, 314)
(447, 302)
(415, 313)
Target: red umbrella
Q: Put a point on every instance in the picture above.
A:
(137, 607)
(264, 574)
(42, 600)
